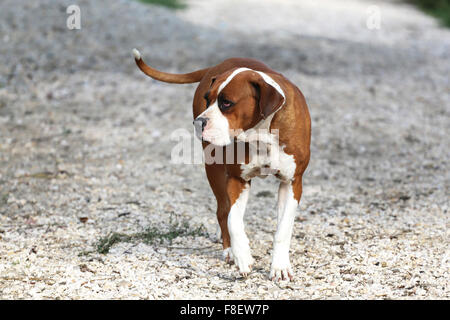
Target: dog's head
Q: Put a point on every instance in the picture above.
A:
(237, 100)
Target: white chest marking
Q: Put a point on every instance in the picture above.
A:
(270, 160)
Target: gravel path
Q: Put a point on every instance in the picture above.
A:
(85, 150)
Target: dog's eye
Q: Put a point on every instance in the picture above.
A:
(225, 104)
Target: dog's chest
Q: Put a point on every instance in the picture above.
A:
(272, 160)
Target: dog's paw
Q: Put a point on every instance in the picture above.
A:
(227, 256)
(281, 270)
(243, 260)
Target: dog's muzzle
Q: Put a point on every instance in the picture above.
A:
(199, 124)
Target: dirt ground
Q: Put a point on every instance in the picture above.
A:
(85, 149)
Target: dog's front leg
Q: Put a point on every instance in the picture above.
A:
(238, 191)
(287, 205)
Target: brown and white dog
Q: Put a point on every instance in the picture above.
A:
(239, 95)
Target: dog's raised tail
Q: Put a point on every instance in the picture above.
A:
(192, 77)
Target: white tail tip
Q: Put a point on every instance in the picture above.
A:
(137, 54)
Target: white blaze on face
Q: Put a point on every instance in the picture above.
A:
(217, 127)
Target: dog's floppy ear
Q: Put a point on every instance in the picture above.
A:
(269, 99)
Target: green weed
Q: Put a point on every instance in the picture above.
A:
(151, 235)
(173, 4)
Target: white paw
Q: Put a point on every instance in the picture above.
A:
(281, 269)
(243, 260)
(227, 255)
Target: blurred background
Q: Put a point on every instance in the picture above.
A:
(91, 207)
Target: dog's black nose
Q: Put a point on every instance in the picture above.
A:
(200, 124)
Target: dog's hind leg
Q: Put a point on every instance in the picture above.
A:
(289, 195)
